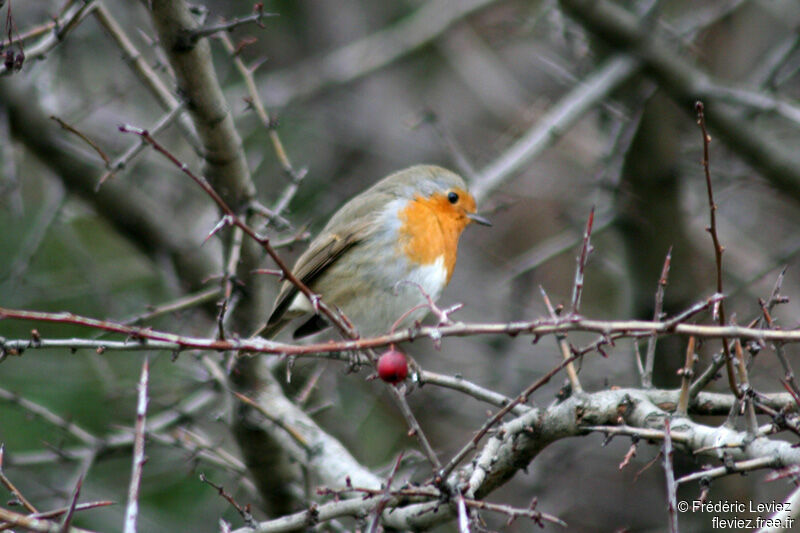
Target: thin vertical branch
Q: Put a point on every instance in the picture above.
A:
(76, 492)
(387, 494)
(650, 355)
(463, 516)
(586, 249)
(672, 496)
(414, 428)
(718, 249)
(577, 293)
(686, 378)
(566, 354)
(775, 298)
(751, 423)
(132, 509)
(234, 254)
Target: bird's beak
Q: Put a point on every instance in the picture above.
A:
(479, 219)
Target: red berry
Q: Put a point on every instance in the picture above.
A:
(392, 366)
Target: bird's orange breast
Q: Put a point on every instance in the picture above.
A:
(430, 228)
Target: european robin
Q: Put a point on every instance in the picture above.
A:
(382, 253)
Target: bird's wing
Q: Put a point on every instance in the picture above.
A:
(326, 250)
(348, 227)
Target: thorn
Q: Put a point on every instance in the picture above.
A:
(224, 221)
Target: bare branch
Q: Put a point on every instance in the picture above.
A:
(672, 499)
(650, 354)
(229, 25)
(686, 378)
(593, 88)
(148, 338)
(132, 509)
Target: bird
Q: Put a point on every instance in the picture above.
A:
(382, 255)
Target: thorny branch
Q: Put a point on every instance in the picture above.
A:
(718, 249)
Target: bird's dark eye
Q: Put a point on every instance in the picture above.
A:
(452, 197)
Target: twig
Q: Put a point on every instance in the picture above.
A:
(28, 522)
(233, 253)
(386, 497)
(181, 304)
(686, 378)
(572, 373)
(755, 100)
(230, 25)
(650, 354)
(159, 422)
(55, 513)
(244, 512)
(672, 499)
(85, 138)
(460, 159)
(708, 375)
(462, 385)
(718, 249)
(686, 314)
(199, 447)
(537, 516)
(638, 432)
(132, 509)
(580, 268)
(779, 419)
(315, 514)
(732, 468)
(415, 429)
(461, 514)
(146, 338)
(426, 493)
(747, 399)
(137, 147)
(297, 436)
(76, 492)
(42, 29)
(779, 352)
(637, 358)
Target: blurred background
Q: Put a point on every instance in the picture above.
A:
(357, 90)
